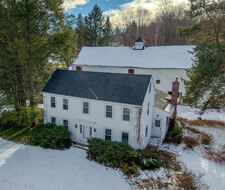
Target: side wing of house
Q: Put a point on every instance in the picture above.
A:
(147, 115)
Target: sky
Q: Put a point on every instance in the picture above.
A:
(110, 7)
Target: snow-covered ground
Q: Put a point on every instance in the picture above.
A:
(193, 113)
(212, 173)
(25, 167)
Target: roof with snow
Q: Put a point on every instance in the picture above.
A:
(150, 57)
(139, 39)
(112, 87)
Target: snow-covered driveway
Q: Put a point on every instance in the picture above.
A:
(32, 168)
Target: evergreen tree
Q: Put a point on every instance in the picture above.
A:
(97, 30)
(206, 30)
(80, 32)
(31, 34)
(107, 33)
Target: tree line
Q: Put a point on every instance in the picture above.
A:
(34, 35)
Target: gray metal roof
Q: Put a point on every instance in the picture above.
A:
(112, 87)
(163, 102)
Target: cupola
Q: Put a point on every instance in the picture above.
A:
(139, 44)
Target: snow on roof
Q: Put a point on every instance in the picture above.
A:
(150, 57)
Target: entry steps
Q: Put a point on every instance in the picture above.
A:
(155, 142)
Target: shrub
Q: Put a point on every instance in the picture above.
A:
(26, 117)
(190, 142)
(111, 153)
(148, 160)
(175, 135)
(50, 136)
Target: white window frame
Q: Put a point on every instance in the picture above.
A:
(65, 104)
(65, 120)
(128, 140)
(150, 87)
(146, 131)
(106, 111)
(157, 81)
(158, 120)
(148, 108)
(129, 113)
(105, 133)
(83, 107)
(51, 101)
(51, 119)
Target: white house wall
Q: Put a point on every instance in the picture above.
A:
(162, 115)
(166, 76)
(147, 119)
(95, 118)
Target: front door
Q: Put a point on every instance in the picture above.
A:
(85, 133)
(157, 128)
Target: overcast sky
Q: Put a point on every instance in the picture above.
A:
(110, 7)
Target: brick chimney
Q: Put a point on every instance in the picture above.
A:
(175, 91)
(78, 68)
(130, 71)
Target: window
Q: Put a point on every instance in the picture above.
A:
(53, 102)
(53, 120)
(126, 114)
(108, 134)
(109, 111)
(65, 104)
(167, 121)
(148, 108)
(157, 123)
(81, 129)
(125, 137)
(90, 131)
(65, 122)
(157, 81)
(86, 107)
(150, 86)
(146, 131)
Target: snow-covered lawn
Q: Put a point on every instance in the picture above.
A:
(25, 167)
(212, 173)
(193, 113)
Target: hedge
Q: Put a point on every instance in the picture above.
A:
(51, 136)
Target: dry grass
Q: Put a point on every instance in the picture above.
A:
(152, 183)
(203, 137)
(206, 139)
(186, 181)
(199, 122)
(167, 160)
(193, 130)
(218, 157)
(190, 142)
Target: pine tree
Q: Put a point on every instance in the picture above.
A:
(206, 87)
(31, 34)
(107, 33)
(80, 32)
(97, 29)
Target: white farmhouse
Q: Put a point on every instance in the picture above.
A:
(110, 106)
(164, 63)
